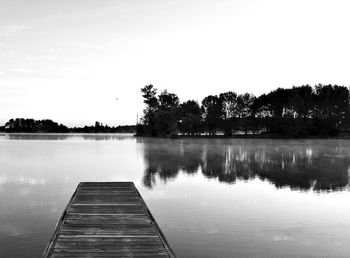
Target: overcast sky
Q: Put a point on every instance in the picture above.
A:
(68, 60)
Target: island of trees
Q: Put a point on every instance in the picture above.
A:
(22, 125)
(322, 110)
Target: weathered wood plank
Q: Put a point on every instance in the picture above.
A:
(98, 209)
(107, 219)
(106, 200)
(106, 254)
(114, 217)
(154, 239)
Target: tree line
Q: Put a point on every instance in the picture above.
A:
(100, 128)
(322, 110)
(22, 125)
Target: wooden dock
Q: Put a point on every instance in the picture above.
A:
(107, 219)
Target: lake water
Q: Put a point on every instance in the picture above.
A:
(211, 197)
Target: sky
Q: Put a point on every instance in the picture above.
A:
(81, 61)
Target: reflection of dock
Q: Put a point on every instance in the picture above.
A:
(110, 220)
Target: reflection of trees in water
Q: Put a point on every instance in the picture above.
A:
(49, 136)
(106, 137)
(37, 136)
(165, 159)
(294, 166)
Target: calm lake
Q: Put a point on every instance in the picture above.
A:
(211, 197)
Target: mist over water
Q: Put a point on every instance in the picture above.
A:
(211, 197)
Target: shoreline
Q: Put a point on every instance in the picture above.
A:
(347, 137)
(342, 136)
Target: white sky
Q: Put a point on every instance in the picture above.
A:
(68, 60)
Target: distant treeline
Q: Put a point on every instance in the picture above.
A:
(100, 128)
(22, 125)
(322, 110)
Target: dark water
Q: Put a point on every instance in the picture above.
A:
(212, 198)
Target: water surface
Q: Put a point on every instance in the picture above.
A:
(211, 197)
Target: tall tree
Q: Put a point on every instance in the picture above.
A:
(229, 111)
(332, 105)
(149, 93)
(212, 112)
(167, 115)
(244, 110)
(302, 101)
(190, 118)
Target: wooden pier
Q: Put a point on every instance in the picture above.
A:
(107, 219)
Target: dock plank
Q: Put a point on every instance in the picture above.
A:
(107, 219)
